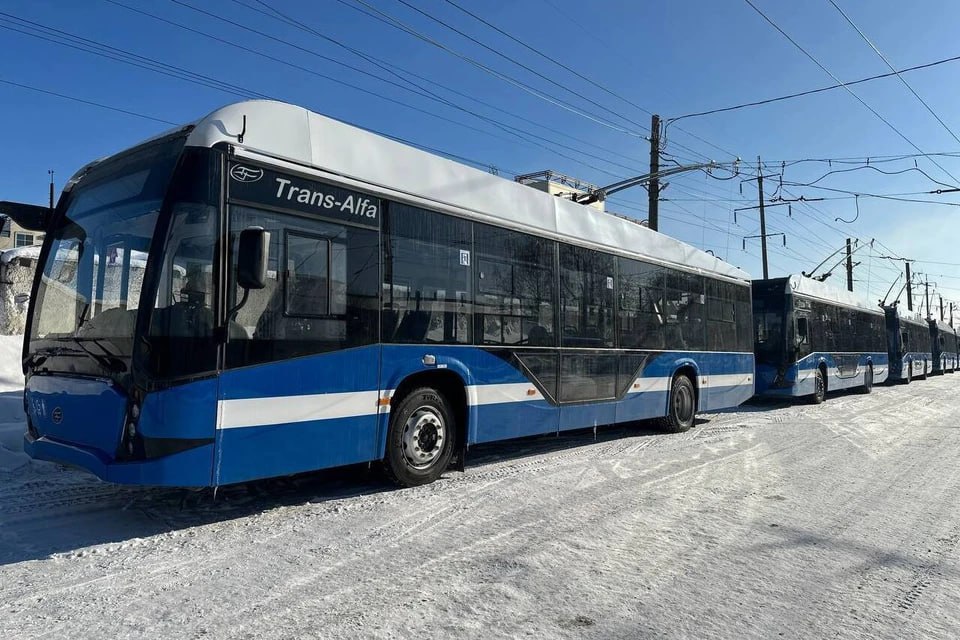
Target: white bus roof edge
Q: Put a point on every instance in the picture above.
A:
(306, 138)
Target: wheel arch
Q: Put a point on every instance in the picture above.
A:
(454, 388)
(690, 369)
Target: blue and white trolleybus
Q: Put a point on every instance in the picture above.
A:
(269, 291)
(811, 338)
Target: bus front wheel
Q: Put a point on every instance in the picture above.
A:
(420, 439)
(819, 388)
(682, 407)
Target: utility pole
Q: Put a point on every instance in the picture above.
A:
(941, 308)
(763, 220)
(50, 171)
(653, 189)
(926, 295)
(909, 288)
(951, 314)
(849, 267)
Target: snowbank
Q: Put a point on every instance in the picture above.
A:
(11, 374)
(12, 423)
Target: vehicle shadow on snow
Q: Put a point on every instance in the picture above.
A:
(64, 512)
(870, 556)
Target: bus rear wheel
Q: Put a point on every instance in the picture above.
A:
(868, 379)
(819, 388)
(682, 406)
(420, 439)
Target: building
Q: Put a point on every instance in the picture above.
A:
(13, 235)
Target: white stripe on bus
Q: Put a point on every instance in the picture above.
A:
(259, 412)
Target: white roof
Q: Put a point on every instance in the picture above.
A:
(389, 168)
(944, 326)
(811, 288)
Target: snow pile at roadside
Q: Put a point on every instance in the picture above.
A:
(12, 423)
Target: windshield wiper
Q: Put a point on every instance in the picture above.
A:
(106, 359)
(39, 356)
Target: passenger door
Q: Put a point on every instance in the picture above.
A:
(300, 384)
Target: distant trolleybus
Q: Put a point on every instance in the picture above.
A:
(811, 338)
(268, 291)
(909, 346)
(943, 347)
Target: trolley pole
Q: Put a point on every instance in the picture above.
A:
(909, 288)
(849, 267)
(763, 220)
(653, 189)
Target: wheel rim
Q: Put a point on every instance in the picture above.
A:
(424, 434)
(683, 404)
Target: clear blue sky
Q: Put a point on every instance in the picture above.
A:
(671, 58)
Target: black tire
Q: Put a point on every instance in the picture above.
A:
(421, 437)
(909, 378)
(924, 376)
(681, 406)
(819, 388)
(868, 379)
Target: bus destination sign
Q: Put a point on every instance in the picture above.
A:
(256, 184)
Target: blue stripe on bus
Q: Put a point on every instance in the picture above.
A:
(190, 468)
(184, 411)
(799, 378)
(276, 450)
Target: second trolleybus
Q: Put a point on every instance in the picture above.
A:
(811, 338)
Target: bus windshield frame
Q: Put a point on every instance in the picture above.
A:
(87, 303)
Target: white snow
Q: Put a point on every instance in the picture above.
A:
(11, 405)
(137, 258)
(775, 520)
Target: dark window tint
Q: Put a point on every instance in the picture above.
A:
(321, 292)
(427, 293)
(722, 316)
(586, 297)
(587, 376)
(180, 338)
(309, 284)
(641, 305)
(516, 288)
(684, 311)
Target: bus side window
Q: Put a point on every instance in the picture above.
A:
(803, 336)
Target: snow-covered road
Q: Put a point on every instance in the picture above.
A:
(799, 521)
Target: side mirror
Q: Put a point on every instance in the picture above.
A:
(252, 252)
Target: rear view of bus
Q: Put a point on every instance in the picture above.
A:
(269, 291)
(909, 345)
(810, 339)
(943, 347)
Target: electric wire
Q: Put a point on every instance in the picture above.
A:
(846, 87)
(390, 20)
(898, 74)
